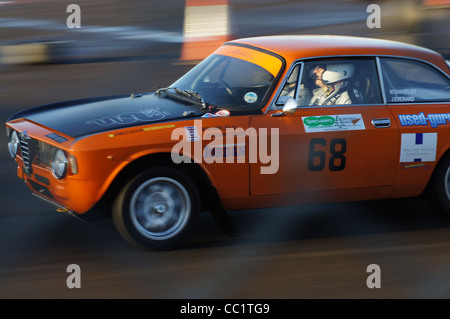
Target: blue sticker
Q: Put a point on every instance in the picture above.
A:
(220, 151)
(421, 119)
(192, 133)
(419, 138)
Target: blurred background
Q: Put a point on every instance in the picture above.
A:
(122, 47)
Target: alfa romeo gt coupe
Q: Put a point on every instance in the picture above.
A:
(262, 122)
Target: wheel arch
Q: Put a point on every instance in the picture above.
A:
(193, 170)
(428, 187)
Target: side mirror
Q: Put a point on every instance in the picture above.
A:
(289, 107)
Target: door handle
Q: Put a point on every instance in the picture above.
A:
(381, 123)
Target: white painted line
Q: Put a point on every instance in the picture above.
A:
(112, 32)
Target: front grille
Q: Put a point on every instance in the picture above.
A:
(26, 151)
(35, 152)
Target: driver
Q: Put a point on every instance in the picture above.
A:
(333, 84)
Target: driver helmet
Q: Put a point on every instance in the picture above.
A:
(337, 72)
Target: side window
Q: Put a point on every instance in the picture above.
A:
(412, 81)
(290, 87)
(339, 82)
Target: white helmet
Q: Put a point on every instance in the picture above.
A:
(337, 72)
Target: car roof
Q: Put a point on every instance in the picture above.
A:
(294, 47)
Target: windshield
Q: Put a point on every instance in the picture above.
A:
(233, 77)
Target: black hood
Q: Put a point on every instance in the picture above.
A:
(90, 116)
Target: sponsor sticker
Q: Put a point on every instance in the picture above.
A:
(158, 127)
(418, 147)
(192, 133)
(143, 115)
(222, 113)
(415, 165)
(222, 151)
(329, 123)
(145, 129)
(206, 115)
(421, 119)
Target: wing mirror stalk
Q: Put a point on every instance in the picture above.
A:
(289, 107)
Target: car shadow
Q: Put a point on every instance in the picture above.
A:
(320, 221)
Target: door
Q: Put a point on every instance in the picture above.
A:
(330, 146)
(418, 96)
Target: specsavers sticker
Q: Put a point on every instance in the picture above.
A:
(329, 123)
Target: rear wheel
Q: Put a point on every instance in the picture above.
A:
(440, 187)
(157, 208)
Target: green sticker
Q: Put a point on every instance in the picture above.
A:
(316, 121)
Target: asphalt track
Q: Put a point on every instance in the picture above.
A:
(319, 251)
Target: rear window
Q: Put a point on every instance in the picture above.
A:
(407, 81)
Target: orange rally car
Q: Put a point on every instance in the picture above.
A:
(261, 122)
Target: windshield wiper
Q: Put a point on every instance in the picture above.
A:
(187, 93)
(160, 90)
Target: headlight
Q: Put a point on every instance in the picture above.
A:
(13, 144)
(59, 166)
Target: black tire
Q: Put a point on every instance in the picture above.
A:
(156, 209)
(440, 186)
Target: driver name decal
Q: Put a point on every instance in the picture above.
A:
(144, 115)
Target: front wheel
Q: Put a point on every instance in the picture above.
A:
(156, 209)
(440, 190)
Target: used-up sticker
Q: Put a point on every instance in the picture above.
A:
(418, 147)
(143, 115)
(222, 113)
(421, 119)
(329, 123)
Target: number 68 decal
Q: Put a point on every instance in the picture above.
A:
(317, 158)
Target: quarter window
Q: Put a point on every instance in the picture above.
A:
(407, 81)
(290, 87)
